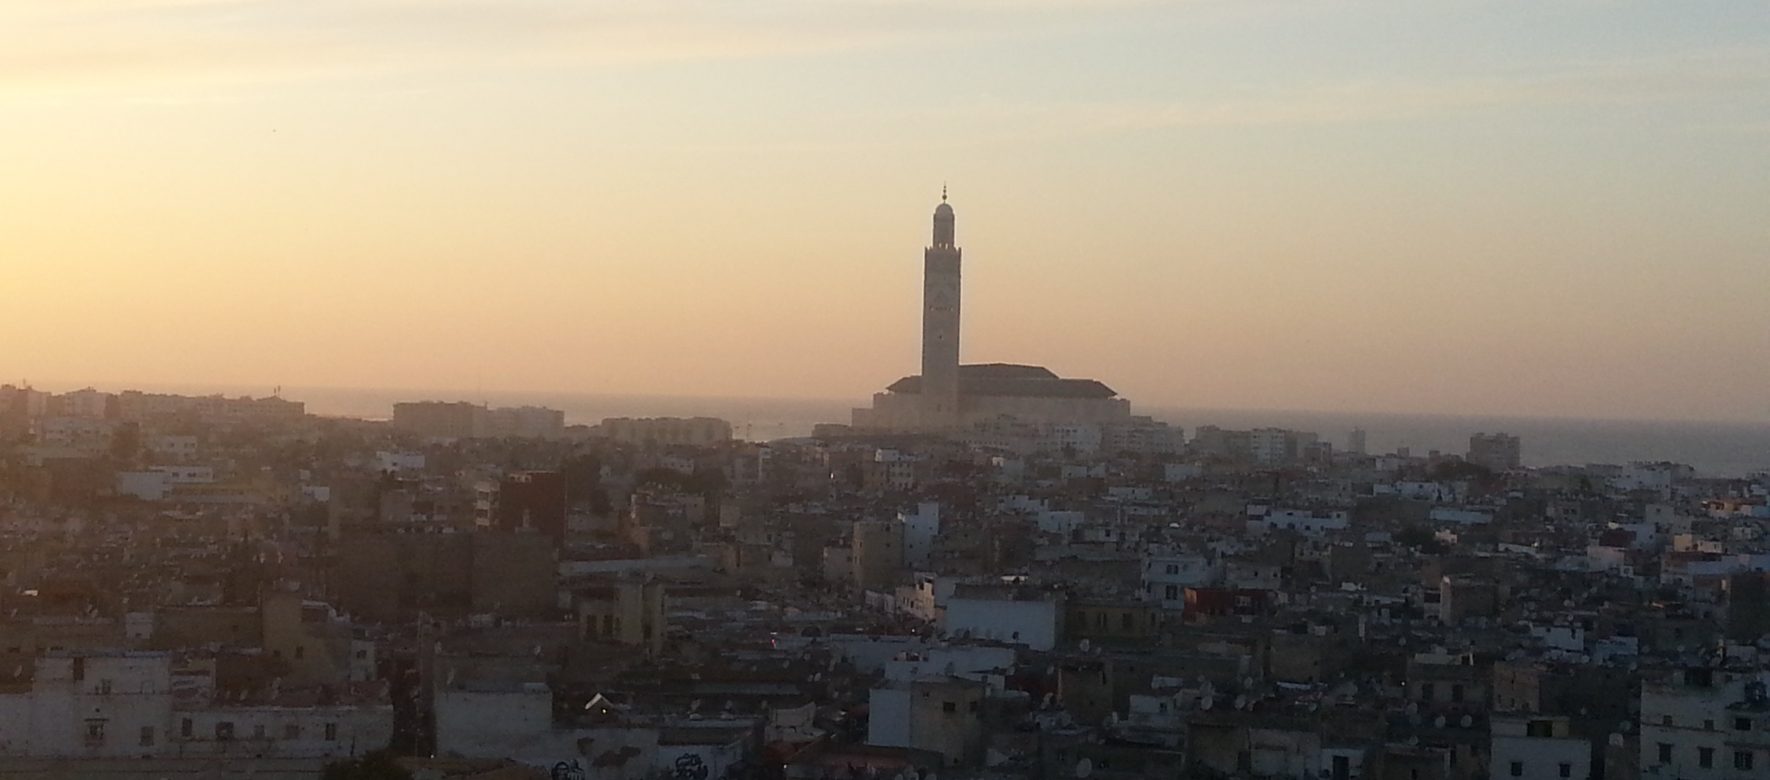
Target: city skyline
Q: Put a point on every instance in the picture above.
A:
(1531, 209)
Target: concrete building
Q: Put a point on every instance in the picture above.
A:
(1167, 575)
(1006, 613)
(1538, 748)
(464, 420)
(523, 502)
(1706, 724)
(1494, 451)
(920, 529)
(878, 556)
(939, 714)
(664, 431)
(627, 611)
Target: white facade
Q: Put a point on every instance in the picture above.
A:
(494, 722)
(1689, 732)
(1538, 749)
(983, 663)
(172, 446)
(1459, 516)
(101, 706)
(1308, 522)
(920, 528)
(398, 462)
(144, 485)
(270, 730)
(1036, 623)
(888, 716)
(1166, 576)
(1059, 521)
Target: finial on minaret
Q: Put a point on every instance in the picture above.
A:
(943, 192)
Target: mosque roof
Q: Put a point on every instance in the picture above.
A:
(1014, 380)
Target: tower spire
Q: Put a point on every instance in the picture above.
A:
(943, 192)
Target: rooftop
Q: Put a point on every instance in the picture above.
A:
(1013, 380)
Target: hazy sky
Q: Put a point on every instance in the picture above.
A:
(1523, 207)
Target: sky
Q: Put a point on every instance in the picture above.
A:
(1527, 207)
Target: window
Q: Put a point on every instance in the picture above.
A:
(1566, 769)
(1665, 752)
(947, 706)
(1173, 568)
(1707, 725)
(1705, 757)
(1426, 692)
(258, 731)
(95, 732)
(1742, 759)
(104, 687)
(971, 706)
(331, 732)
(185, 728)
(291, 731)
(1742, 724)
(147, 736)
(300, 652)
(1666, 721)
(224, 731)
(1540, 728)
(1172, 592)
(1456, 693)
(1126, 621)
(1517, 768)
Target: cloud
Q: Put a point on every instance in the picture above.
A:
(1743, 74)
(107, 42)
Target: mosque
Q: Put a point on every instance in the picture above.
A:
(948, 396)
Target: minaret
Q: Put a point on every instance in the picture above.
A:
(940, 323)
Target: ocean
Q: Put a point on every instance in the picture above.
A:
(1713, 448)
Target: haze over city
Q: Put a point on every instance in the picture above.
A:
(1503, 208)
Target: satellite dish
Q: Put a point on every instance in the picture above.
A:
(1616, 740)
(1438, 722)
(1085, 644)
(1467, 721)
(1205, 703)
(1241, 702)
(1084, 767)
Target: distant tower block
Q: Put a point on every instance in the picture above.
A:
(940, 322)
(1355, 441)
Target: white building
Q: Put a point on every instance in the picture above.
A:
(1538, 748)
(1006, 614)
(920, 528)
(91, 706)
(1167, 575)
(1308, 522)
(1706, 724)
(398, 462)
(176, 447)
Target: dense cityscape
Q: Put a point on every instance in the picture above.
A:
(991, 572)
